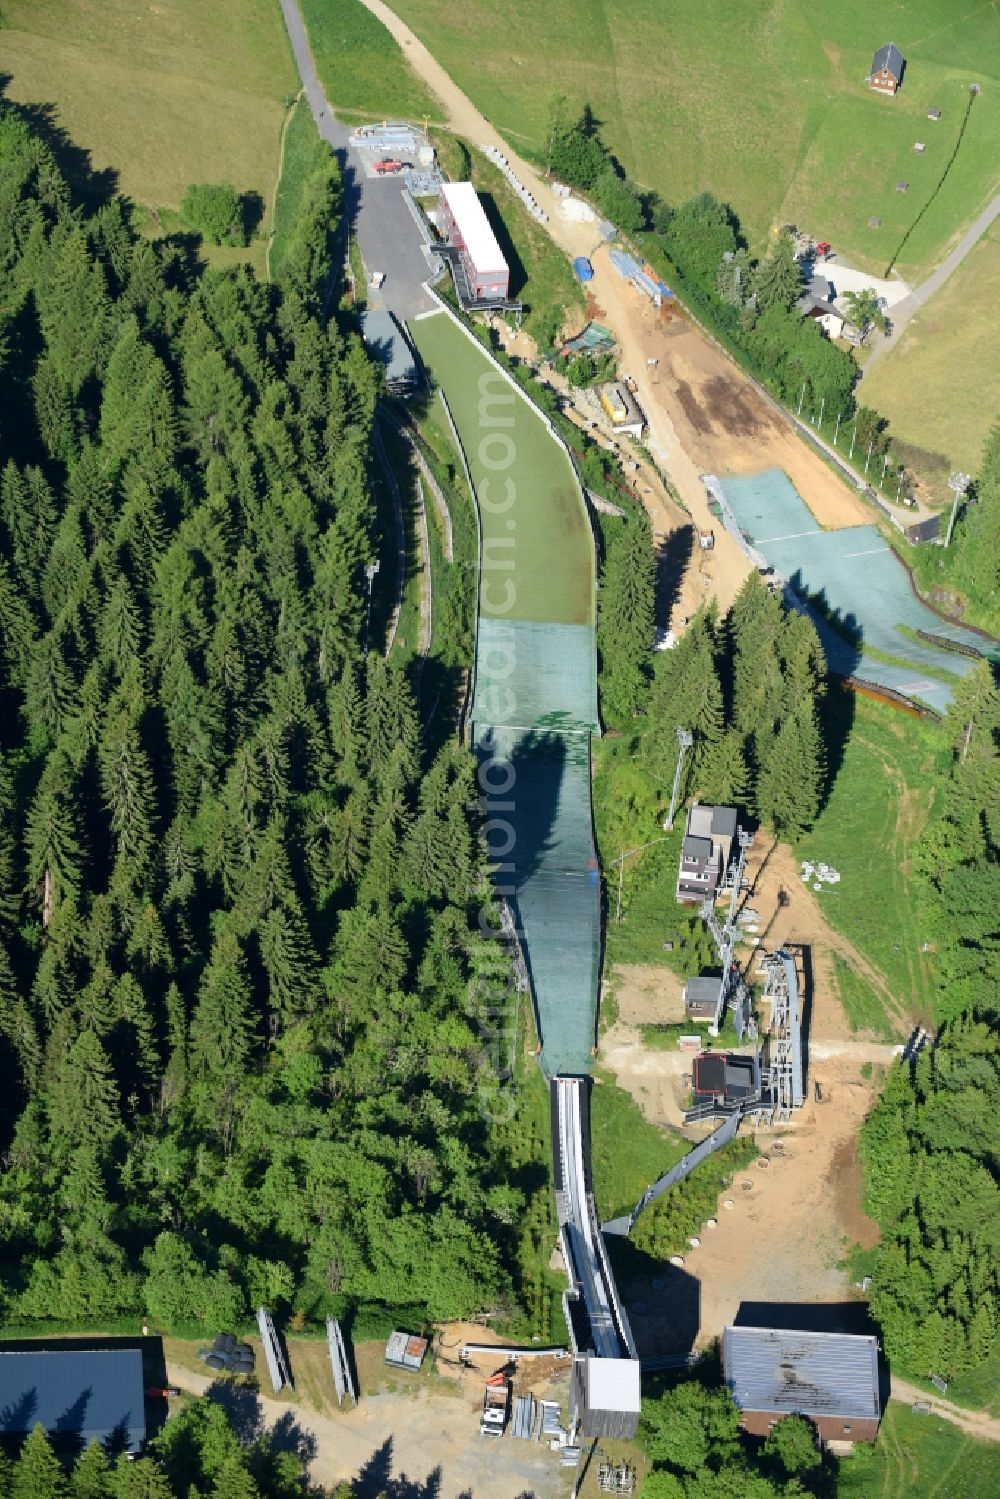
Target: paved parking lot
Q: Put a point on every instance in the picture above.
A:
(387, 233)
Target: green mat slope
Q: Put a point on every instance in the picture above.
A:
(535, 700)
(538, 560)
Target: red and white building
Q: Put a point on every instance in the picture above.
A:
(465, 226)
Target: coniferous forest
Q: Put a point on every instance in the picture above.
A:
(239, 902)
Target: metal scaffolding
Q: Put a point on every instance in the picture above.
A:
(733, 986)
(783, 1080)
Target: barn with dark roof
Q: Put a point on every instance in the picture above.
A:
(888, 66)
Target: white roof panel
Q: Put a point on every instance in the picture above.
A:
(480, 241)
(613, 1384)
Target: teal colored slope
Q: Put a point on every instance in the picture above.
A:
(863, 583)
(535, 701)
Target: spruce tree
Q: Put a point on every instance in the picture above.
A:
(38, 1473)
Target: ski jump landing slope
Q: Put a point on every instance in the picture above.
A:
(534, 704)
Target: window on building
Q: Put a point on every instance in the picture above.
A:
(847, 1426)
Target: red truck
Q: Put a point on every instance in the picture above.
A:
(388, 167)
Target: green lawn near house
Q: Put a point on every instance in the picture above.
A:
(939, 385)
(763, 103)
(920, 1457)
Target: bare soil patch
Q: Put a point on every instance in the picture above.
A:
(659, 1081)
(647, 994)
(782, 1239)
(735, 407)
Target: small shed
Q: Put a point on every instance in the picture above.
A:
(405, 1351)
(623, 409)
(933, 114)
(888, 66)
(902, 187)
(830, 1377)
(701, 997)
(78, 1395)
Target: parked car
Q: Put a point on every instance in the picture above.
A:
(228, 1356)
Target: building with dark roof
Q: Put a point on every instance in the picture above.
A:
(386, 342)
(832, 1378)
(78, 1395)
(705, 851)
(727, 1080)
(701, 997)
(888, 66)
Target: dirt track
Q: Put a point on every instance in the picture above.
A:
(704, 415)
(812, 1188)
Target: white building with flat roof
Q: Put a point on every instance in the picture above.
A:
(464, 224)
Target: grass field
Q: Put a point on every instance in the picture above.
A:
(540, 542)
(807, 140)
(627, 1152)
(160, 96)
(879, 804)
(940, 385)
(920, 1457)
(301, 150)
(360, 66)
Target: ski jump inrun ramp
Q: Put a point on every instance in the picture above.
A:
(534, 709)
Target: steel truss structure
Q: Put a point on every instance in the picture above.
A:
(733, 986)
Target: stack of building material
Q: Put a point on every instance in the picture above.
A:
(524, 1417)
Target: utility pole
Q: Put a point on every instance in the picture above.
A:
(837, 431)
(854, 438)
(802, 396)
(620, 861)
(958, 483)
(371, 568)
(869, 458)
(822, 406)
(685, 739)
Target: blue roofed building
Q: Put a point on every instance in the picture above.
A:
(78, 1395)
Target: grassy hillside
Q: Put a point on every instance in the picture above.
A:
(940, 385)
(764, 103)
(920, 1457)
(877, 808)
(361, 68)
(159, 95)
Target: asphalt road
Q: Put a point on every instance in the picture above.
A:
(386, 231)
(905, 309)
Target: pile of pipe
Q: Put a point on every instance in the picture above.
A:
(500, 160)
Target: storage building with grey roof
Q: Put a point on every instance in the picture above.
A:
(832, 1378)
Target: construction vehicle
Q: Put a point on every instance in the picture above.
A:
(496, 1406)
(388, 167)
